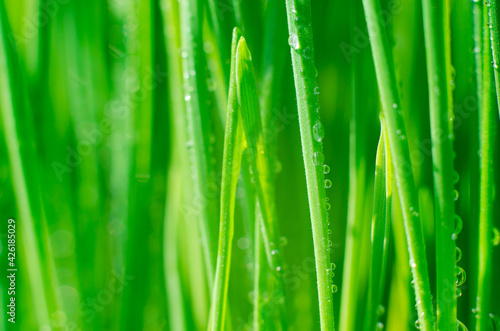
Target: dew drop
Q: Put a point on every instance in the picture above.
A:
(316, 90)
(187, 97)
(274, 252)
(456, 177)
(306, 53)
(458, 255)
(293, 41)
(318, 158)
(379, 326)
(318, 131)
(455, 195)
(461, 275)
(326, 169)
(496, 237)
(328, 206)
(458, 227)
(458, 293)
(333, 266)
(394, 105)
(334, 288)
(184, 54)
(328, 183)
(283, 241)
(417, 324)
(380, 310)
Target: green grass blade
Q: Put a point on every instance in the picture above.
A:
(379, 232)
(487, 125)
(199, 127)
(234, 144)
(391, 106)
(437, 39)
(495, 44)
(311, 132)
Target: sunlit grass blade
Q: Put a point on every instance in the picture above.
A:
(437, 38)
(312, 134)
(391, 106)
(379, 231)
(487, 132)
(234, 144)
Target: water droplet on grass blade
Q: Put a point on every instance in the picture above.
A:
(458, 254)
(316, 90)
(334, 288)
(318, 158)
(417, 324)
(326, 169)
(458, 227)
(461, 275)
(328, 206)
(293, 41)
(495, 320)
(328, 183)
(318, 131)
(456, 177)
(283, 241)
(496, 237)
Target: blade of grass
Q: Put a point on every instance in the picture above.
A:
(391, 106)
(438, 54)
(380, 231)
(486, 178)
(199, 127)
(311, 133)
(234, 144)
(495, 44)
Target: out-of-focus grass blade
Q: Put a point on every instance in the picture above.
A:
(21, 156)
(380, 231)
(199, 129)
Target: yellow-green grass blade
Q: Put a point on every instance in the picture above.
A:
(234, 144)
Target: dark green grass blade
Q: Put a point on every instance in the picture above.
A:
(386, 77)
(437, 38)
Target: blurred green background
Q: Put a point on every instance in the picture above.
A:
(103, 176)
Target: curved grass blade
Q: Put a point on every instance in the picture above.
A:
(495, 44)
(311, 133)
(234, 144)
(486, 178)
(438, 54)
(391, 106)
(380, 231)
